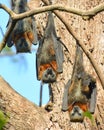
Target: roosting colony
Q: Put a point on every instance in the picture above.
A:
(80, 91)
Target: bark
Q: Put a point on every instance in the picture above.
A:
(24, 115)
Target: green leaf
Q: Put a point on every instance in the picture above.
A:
(89, 115)
(3, 119)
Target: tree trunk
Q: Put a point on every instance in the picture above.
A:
(25, 115)
(91, 33)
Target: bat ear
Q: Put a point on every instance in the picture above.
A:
(38, 61)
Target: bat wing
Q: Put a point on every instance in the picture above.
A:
(91, 83)
(38, 58)
(93, 97)
(65, 97)
(9, 40)
(59, 54)
(51, 32)
(33, 28)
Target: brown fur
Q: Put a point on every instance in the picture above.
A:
(43, 67)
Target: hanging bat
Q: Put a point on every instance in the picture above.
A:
(24, 32)
(49, 57)
(80, 92)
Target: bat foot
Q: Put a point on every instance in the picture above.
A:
(49, 106)
(64, 109)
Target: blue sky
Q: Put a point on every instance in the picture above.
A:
(19, 70)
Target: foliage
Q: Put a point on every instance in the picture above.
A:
(89, 115)
(3, 119)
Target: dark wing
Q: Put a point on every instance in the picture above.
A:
(9, 40)
(38, 58)
(50, 27)
(93, 97)
(33, 26)
(50, 31)
(59, 54)
(65, 97)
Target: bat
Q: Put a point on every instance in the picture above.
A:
(80, 91)
(24, 33)
(49, 56)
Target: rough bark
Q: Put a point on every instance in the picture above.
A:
(24, 115)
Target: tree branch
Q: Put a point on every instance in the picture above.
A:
(9, 30)
(35, 11)
(88, 54)
(15, 17)
(9, 11)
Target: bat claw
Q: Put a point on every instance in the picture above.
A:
(49, 106)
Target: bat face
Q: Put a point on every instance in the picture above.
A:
(47, 72)
(23, 41)
(76, 112)
(18, 5)
(49, 76)
(22, 45)
(76, 115)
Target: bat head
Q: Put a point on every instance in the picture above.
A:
(49, 75)
(47, 72)
(22, 45)
(23, 41)
(76, 112)
(18, 3)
